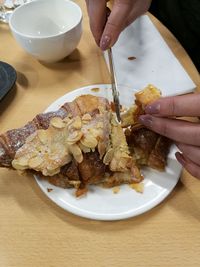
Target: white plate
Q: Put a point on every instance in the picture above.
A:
(103, 204)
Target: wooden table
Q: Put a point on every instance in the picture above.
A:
(35, 232)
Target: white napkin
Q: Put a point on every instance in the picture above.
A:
(155, 63)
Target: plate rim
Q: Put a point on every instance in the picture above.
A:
(108, 217)
(103, 217)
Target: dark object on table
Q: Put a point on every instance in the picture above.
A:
(8, 78)
(182, 18)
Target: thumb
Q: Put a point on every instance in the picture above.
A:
(115, 23)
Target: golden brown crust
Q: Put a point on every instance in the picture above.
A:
(67, 177)
(148, 148)
(142, 142)
(119, 178)
(131, 116)
(91, 169)
(158, 156)
(110, 152)
(142, 98)
(147, 95)
(12, 140)
(72, 108)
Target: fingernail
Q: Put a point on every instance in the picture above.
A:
(180, 158)
(153, 108)
(146, 120)
(105, 42)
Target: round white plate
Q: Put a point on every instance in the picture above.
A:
(103, 204)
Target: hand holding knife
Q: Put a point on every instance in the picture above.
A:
(115, 91)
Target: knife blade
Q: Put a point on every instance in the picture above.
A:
(115, 91)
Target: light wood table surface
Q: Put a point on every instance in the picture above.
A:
(34, 231)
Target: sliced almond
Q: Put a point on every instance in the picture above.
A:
(76, 152)
(23, 161)
(69, 122)
(108, 156)
(101, 149)
(75, 149)
(89, 141)
(74, 137)
(18, 165)
(43, 136)
(35, 162)
(113, 165)
(66, 120)
(79, 158)
(83, 148)
(67, 159)
(100, 124)
(95, 132)
(52, 172)
(77, 123)
(86, 117)
(57, 122)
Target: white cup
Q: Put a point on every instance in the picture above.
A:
(47, 29)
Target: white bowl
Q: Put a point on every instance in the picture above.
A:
(47, 29)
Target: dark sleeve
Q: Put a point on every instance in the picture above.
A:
(182, 18)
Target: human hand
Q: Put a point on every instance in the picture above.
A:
(124, 12)
(185, 134)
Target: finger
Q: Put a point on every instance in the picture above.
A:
(115, 22)
(178, 130)
(131, 18)
(97, 15)
(87, 3)
(137, 10)
(186, 105)
(192, 152)
(190, 166)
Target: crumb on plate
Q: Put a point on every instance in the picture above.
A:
(49, 190)
(81, 192)
(96, 90)
(138, 187)
(116, 189)
(131, 58)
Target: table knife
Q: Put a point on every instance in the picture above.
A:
(115, 91)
